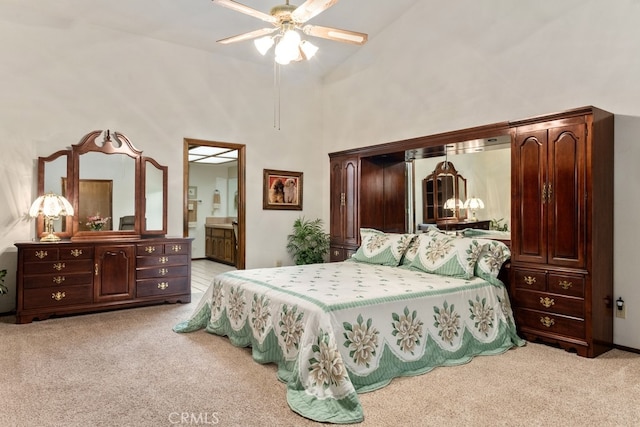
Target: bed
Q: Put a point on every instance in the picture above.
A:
(401, 306)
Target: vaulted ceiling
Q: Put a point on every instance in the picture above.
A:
(200, 23)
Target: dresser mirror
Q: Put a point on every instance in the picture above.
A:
(115, 191)
(443, 192)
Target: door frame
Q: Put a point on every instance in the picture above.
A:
(241, 148)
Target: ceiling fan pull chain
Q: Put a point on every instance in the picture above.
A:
(276, 95)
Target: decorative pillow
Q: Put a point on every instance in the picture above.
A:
(447, 255)
(382, 248)
(412, 249)
(492, 256)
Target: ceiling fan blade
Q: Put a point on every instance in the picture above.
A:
(238, 7)
(247, 36)
(311, 8)
(335, 34)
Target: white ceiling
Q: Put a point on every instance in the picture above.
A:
(200, 23)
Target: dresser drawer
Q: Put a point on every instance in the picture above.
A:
(61, 266)
(58, 296)
(551, 303)
(168, 271)
(49, 280)
(177, 248)
(78, 252)
(550, 323)
(162, 260)
(162, 286)
(38, 254)
(530, 279)
(566, 284)
(150, 249)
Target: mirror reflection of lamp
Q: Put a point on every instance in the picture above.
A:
(453, 204)
(474, 204)
(51, 206)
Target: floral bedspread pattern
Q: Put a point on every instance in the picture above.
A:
(341, 328)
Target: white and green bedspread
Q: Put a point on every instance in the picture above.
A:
(338, 329)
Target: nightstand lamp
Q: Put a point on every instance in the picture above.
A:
(51, 206)
(474, 204)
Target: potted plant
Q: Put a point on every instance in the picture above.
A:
(308, 244)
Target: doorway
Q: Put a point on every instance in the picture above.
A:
(193, 195)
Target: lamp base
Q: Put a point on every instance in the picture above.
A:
(50, 238)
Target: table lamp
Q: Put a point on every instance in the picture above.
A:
(474, 204)
(51, 206)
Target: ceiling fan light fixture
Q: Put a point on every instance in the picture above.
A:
(308, 49)
(263, 44)
(287, 49)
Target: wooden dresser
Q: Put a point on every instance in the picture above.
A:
(80, 277)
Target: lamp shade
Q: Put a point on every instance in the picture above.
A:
(51, 205)
(453, 203)
(473, 203)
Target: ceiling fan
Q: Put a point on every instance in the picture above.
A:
(286, 20)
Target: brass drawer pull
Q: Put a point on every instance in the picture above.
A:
(150, 249)
(95, 269)
(336, 253)
(41, 254)
(58, 279)
(163, 260)
(163, 285)
(529, 280)
(76, 252)
(58, 295)
(176, 248)
(547, 302)
(58, 266)
(564, 284)
(163, 271)
(548, 322)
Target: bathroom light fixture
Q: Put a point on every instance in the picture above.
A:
(51, 206)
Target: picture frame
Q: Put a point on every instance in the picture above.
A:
(193, 192)
(282, 190)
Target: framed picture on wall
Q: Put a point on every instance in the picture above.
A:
(193, 192)
(282, 190)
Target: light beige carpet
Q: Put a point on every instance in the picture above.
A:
(127, 368)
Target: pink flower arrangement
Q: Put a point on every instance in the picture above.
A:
(96, 222)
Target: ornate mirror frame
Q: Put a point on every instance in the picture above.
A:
(436, 192)
(150, 198)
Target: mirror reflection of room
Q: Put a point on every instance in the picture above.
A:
(483, 176)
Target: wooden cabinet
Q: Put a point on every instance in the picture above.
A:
(220, 244)
(80, 277)
(562, 230)
(366, 191)
(344, 220)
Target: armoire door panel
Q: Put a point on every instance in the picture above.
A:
(530, 180)
(566, 190)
